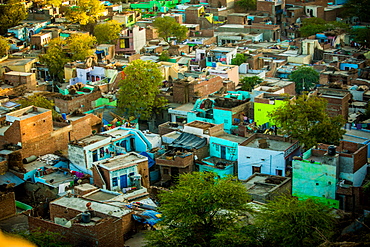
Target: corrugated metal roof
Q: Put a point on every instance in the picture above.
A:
(189, 141)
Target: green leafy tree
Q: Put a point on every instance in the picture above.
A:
(198, 208)
(138, 93)
(247, 4)
(357, 8)
(4, 47)
(305, 78)
(44, 238)
(81, 46)
(39, 101)
(11, 14)
(238, 59)
(55, 58)
(314, 25)
(361, 36)
(86, 11)
(288, 221)
(164, 56)
(311, 26)
(61, 51)
(167, 27)
(107, 33)
(306, 119)
(248, 83)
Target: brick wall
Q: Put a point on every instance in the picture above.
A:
(29, 128)
(7, 205)
(176, 162)
(360, 158)
(143, 170)
(68, 106)
(84, 126)
(107, 232)
(16, 80)
(3, 167)
(265, 6)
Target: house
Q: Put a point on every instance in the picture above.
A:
(265, 188)
(220, 54)
(338, 101)
(331, 174)
(180, 155)
(228, 72)
(131, 40)
(86, 222)
(121, 172)
(221, 109)
(223, 154)
(265, 103)
(267, 154)
(273, 8)
(31, 127)
(127, 18)
(84, 152)
(39, 40)
(15, 79)
(189, 89)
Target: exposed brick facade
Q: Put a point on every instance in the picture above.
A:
(82, 102)
(185, 92)
(7, 205)
(108, 232)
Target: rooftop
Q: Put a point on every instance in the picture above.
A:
(79, 204)
(121, 161)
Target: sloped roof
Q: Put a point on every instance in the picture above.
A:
(189, 141)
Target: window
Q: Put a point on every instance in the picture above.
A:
(256, 169)
(248, 157)
(114, 182)
(217, 148)
(262, 159)
(317, 183)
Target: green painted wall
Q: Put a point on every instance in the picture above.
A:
(261, 111)
(315, 180)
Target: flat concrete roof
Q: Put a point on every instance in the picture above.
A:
(273, 144)
(79, 204)
(121, 161)
(233, 138)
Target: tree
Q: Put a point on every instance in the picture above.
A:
(86, 11)
(4, 47)
(39, 101)
(80, 46)
(138, 93)
(247, 4)
(305, 78)
(314, 25)
(107, 33)
(164, 56)
(248, 83)
(306, 119)
(61, 51)
(199, 207)
(288, 221)
(311, 26)
(238, 59)
(361, 36)
(11, 14)
(167, 27)
(357, 8)
(45, 238)
(55, 58)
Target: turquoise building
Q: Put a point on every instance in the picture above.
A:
(223, 149)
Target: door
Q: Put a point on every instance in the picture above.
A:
(123, 181)
(223, 152)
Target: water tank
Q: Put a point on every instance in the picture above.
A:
(86, 217)
(331, 150)
(64, 116)
(29, 159)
